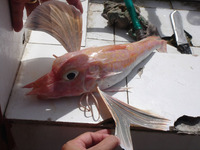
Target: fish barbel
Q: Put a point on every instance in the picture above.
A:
(93, 69)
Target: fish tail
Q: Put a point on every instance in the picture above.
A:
(125, 115)
(163, 46)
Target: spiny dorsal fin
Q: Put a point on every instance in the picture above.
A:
(60, 20)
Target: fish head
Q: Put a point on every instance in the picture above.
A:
(72, 75)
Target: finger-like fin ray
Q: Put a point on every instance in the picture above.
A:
(62, 21)
(125, 115)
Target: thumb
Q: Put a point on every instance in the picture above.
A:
(109, 143)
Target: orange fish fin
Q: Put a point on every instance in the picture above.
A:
(60, 20)
(125, 115)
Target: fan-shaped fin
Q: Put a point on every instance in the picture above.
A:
(62, 21)
(125, 115)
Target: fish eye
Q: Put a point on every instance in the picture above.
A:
(70, 75)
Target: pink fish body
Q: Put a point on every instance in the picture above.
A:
(92, 69)
(80, 72)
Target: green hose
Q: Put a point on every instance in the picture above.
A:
(136, 24)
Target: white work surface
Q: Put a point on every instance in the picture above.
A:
(168, 84)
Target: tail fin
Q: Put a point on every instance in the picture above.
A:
(163, 46)
(60, 20)
(125, 115)
(156, 40)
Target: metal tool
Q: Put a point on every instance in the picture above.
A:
(181, 40)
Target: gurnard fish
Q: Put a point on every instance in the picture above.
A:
(92, 70)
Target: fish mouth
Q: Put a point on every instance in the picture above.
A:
(50, 87)
(43, 87)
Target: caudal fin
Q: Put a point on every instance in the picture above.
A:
(163, 46)
(60, 20)
(125, 115)
(160, 44)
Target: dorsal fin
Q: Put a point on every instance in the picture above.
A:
(60, 20)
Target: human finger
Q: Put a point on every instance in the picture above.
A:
(109, 143)
(16, 9)
(86, 140)
(89, 139)
(30, 7)
(103, 131)
(77, 4)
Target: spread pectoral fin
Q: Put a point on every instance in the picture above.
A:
(60, 20)
(125, 115)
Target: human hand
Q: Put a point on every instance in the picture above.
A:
(100, 140)
(17, 7)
